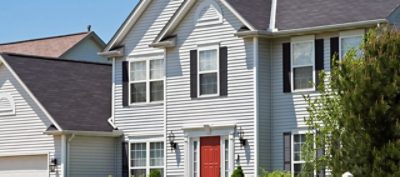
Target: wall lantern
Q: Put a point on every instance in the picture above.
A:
(171, 138)
(243, 141)
(53, 165)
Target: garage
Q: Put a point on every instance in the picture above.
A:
(23, 166)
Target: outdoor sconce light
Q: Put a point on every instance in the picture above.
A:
(53, 165)
(171, 138)
(243, 141)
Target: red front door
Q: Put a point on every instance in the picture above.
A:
(210, 156)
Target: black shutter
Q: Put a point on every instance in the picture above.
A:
(125, 159)
(287, 151)
(334, 50)
(320, 153)
(193, 73)
(125, 84)
(286, 67)
(223, 71)
(319, 59)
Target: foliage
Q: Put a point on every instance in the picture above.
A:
(155, 173)
(238, 172)
(275, 174)
(357, 115)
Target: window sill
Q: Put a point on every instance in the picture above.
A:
(304, 91)
(157, 103)
(209, 97)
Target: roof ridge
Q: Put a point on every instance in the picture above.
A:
(53, 58)
(46, 38)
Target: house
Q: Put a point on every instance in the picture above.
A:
(203, 86)
(54, 118)
(77, 46)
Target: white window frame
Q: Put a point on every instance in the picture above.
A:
(217, 71)
(349, 34)
(11, 110)
(147, 81)
(147, 167)
(297, 40)
(293, 162)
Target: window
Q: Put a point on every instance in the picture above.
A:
(208, 72)
(298, 162)
(146, 157)
(196, 157)
(303, 61)
(226, 157)
(146, 81)
(349, 42)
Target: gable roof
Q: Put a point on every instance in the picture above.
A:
(256, 12)
(76, 94)
(297, 14)
(55, 46)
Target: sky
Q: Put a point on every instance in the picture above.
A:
(29, 19)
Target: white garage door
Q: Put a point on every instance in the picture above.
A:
(24, 166)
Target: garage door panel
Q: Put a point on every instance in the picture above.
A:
(22, 166)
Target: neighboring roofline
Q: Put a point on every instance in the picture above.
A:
(44, 38)
(29, 92)
(128, 24)
(101, 44)
(275, 34)
(114, 133)
(53, 58)
(176, 19)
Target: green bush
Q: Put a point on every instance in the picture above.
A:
(155, 173)
(238, 172)
(275, 174)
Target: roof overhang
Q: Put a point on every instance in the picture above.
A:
(115, 133)
(180, 14)
(115, 53)
(128, 24)
(311, 30)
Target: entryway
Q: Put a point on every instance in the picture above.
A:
(210, 156)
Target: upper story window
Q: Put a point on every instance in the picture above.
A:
(7, 106)
(351, 40)
(303, 63)
(146, 81)
(208, 71)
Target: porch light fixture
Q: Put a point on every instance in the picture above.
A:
(243, 141)
(171, 138)
(53, 165)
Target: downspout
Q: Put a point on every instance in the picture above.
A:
(272, 21)
(63, 155)
(256, 103)
(111, 120)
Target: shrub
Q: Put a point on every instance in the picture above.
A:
(238, 172)
(275, 174)
(155, 173)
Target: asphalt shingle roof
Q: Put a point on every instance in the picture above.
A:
(76, 94)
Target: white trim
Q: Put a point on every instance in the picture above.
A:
(114, 133)
(130, 22)
(349, 34)
(272, 20)
(297, 40)
(11, 109)
(30, 93)
(165, 111)
(64, 156)
(146, 141)
(256, 101)
(208, 48)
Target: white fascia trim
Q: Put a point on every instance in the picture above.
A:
(27, 153)
(115, 133)
(268, 34)
(272, 21)
(143, 4)
(220, 125)
(256, 101)
(30, 94)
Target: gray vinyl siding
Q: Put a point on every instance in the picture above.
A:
(146, 119)
(22, 133)
(92, 156)
(86, 51)
(288, 110)
(264, 108)
(237, 107)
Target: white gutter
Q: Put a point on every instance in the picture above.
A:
(268, 34)
(272, 21)
(115, 133)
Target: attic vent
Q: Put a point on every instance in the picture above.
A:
(7, 106)
(208, 13)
